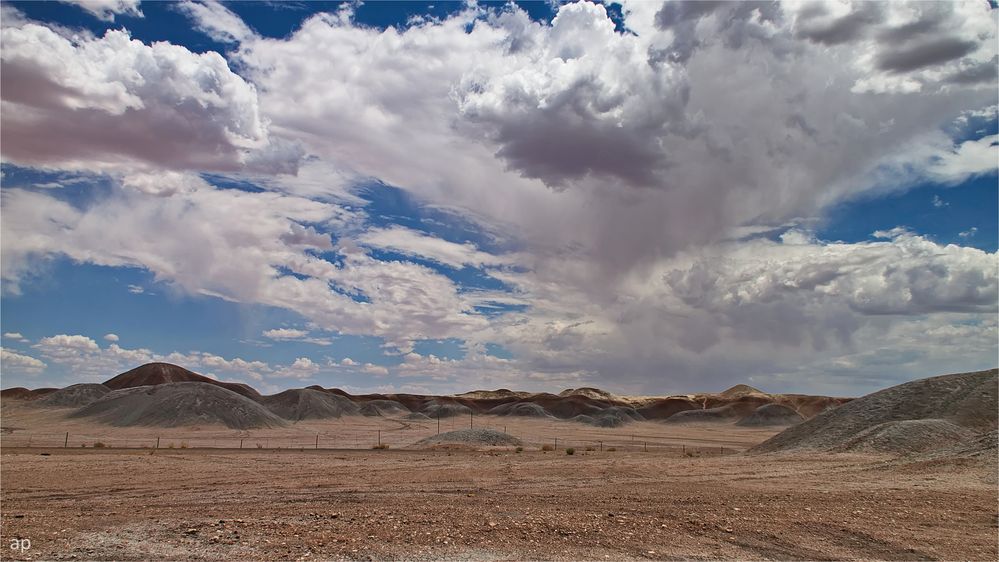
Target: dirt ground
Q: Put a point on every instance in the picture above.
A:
(197, 504)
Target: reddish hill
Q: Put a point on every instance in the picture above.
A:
(21, 393)
(152, 374)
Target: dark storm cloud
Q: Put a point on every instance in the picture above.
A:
(815, 26)
(926, 54)
(981, 73)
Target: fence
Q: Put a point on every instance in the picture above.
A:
(354, 440)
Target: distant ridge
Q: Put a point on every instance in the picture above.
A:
(164, 373)
(741, 390)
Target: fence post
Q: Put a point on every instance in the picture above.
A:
(646, 446)
(317, 440)
(66, 442)
(556, 443)
(601, 445)
(29, 441)
(379, 437)
(471, 423)
(683, 449)
(438, 421)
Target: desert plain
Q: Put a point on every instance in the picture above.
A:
(690, 493)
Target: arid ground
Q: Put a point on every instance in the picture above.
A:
(457, 504)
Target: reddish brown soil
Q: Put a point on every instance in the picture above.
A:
(485, 505)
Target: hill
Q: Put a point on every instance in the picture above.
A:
(164, 373)
(965, 400)
(179, 404)
(308, 404)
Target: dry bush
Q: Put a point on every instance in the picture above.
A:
(99, 445)
(381, 446)
(570, 451)
(547, 448)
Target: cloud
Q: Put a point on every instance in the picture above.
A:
(285, 334)
(136, 289)
(16, 336)
(216, 21)
(111, 337)
(67, 104)
(939, 203)
(106, 10)
(19, 363)
(968, 233)
(414, 243)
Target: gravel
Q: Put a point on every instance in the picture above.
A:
(480, 437)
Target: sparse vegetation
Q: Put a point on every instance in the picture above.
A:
(99, 445)
(547, 448)
(519, 450)
(183, 445)
(381, 446)
(591, 448)
(612, 449)
(570, 451)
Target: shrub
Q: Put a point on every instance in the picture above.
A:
(612, 449)
(570, 451)
(170, 446)
(183, 445)
(519, 449)
(99, 445)
(547, 448)
(380, 446)
(84, 445)
(259, 446)
(591, 448)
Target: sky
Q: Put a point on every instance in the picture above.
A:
(434, 197)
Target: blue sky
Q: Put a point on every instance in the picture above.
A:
(436, 196)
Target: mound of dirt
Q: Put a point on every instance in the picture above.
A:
(666, 407)
(383, 408)
(179, 404)
(305, 404)
(906, 436)
(742, 390)
(163, 373)
(722, 414)
(525, 409)
(417, 416)
(588, 392)
(17, 393)
(966, 399)
(74, 396)
(471, 437)
(771, 414)
(436, 409)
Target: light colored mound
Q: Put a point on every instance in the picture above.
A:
(742, 390)
(74, 396)
(383, 408)
(435, 409)
(769, 415)
(524, 409)
(493, 394)
(471, 437)
(907, 436)
(179, 404)
(589, 392)
(966, 399)
(418, 416)
(307, 404)
(722, 414)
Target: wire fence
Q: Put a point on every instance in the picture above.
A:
(370, 439)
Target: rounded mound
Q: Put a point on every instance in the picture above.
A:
(164, 373)
(771, 414)
(383, 408)
(666, 407)
(721, 414)
(74, 396)
(435, 409)
(525, 409)
(965, 399)
(306, 404)
(471, 437)
(179, 404)
(418, 416)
